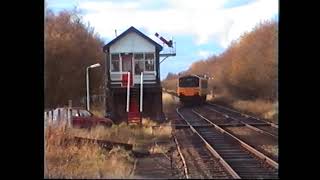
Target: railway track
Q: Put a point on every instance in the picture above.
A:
(256, 138)
(198, 162)
(240, 119)
(238, 158)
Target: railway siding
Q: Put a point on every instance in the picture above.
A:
(199, 161)
(235, 153)
(264, 143)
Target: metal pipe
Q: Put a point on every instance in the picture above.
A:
(87, 79)
(88, 98)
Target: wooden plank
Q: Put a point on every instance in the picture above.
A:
(103, 143)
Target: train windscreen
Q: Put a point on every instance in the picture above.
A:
(189, 82)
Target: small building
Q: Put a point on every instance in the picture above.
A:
(133, 88)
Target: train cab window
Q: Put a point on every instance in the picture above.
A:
(138, 63)
(149, 62)
(189, 82)
(115, 63)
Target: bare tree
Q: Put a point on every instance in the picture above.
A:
(70, 46)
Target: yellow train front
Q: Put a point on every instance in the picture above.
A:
(192, 89)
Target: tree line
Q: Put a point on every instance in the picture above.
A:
(70, 46)
(246, 70)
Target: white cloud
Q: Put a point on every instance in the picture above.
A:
(204, 54)
(206, 20)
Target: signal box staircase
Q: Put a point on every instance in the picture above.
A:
(133, 97)
(134, 115)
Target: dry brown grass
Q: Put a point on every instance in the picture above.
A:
(224, 97)
(239, 131)
(265, 109)
(82, 160)
(160, 148)
(170, 84)
(169, 102)
(128, 134)
(271, 149)
(90, 161)
(97, 111)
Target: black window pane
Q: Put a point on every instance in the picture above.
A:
(149, 56)
(138, 67)
(149, 65)
(138, 56)
(115, 66)
(115, 57)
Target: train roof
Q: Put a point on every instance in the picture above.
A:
(193, 75)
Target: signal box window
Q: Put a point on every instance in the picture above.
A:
(138, 63)
(149, 60)
(115, 63)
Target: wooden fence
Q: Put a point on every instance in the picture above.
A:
(58, 115)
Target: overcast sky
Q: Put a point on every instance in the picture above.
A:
(200, 28)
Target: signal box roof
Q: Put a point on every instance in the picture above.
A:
(132, 29)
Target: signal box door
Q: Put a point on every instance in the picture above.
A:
(127, 67)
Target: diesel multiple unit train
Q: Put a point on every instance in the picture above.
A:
(192, 89)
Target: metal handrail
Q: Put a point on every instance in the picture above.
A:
(141, 91)
(128, 91)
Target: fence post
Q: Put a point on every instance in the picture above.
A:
(66, 114)
(45, 117)
(59, 116)
(51, 116)
(69, 112)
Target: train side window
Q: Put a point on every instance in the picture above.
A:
(138, 63)
(149, 62)
(115, 63)
(204, 84)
